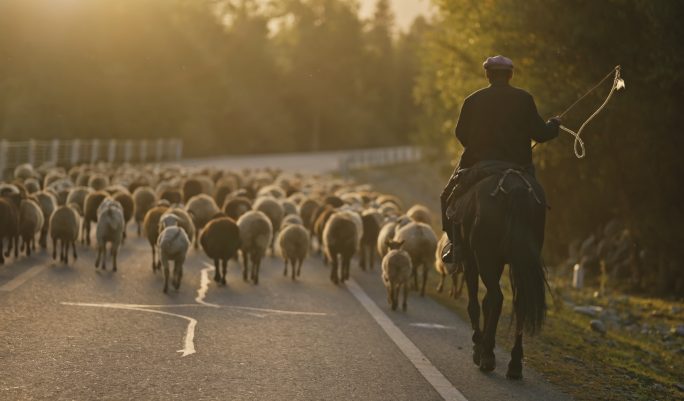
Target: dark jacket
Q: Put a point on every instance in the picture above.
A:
(498, 123)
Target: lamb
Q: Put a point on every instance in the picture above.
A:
(31, 222)
(202, 209)
(126, 201)
(421, 245)
(173, 245)
(9, 223)
(78, 195)
(293, 246)
(151, 229)
(420, 214)
(144, 198)
(110, 224)
(220, 240)
(48, 204)
(396, 273)
(340, 237)
(455, 292)
(92, 203)
(64, 227)
(237, 206)
(256, 233)
(371, 231)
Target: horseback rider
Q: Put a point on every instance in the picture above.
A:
(497, 124)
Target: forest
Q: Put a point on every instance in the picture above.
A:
(241, 77)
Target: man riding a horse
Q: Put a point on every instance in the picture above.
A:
(494, 210)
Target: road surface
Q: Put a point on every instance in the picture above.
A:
(74, 332)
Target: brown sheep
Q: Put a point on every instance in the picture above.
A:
(128, 204)
(202, 209)
(220, 193)
(237, 206)
(340, 237)
(48, 204)
(306, 209)
(173, 195)
(91, 204)
(293, 246)
(421, 245)
(371, 230)
(191, 188)
(9, 223)
(320, 224)
(220, 240)
(64, 227)
(31, 222)
(256, 233)
(145, 199)
(151, 229)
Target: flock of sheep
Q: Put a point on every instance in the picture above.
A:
(225, 212)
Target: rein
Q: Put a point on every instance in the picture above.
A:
(618, 83)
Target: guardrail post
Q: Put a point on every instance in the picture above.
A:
(128, 151)
(75, 145)
(179, 149)
(31, 152)
(95, 151)
(54, 148)
(143, 151)
(3, 156)
(160, 149)
(111, 151)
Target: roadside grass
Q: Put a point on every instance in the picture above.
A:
(623, 364)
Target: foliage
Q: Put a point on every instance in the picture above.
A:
(562, 49)
(229, 77)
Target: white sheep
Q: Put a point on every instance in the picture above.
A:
(173, 244)
(48, 204)
(386, 232)
(420, 214)
(293, 246)
(145, 199)
(256, 233)
(202, 209)
(421, 245)
(31, 222)
(396, 273)
(110, 225)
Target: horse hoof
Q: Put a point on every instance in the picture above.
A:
(513, 374)
(488, 364)
(477, 354)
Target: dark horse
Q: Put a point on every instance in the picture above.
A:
(503, 223)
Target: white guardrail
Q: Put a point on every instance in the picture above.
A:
(378, 157)
(75, 151)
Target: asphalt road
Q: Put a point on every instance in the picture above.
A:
(74, 332)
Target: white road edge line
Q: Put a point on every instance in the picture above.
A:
(22, 278)
(188, 348)
(434, 376)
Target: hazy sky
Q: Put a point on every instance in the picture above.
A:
(405, 11)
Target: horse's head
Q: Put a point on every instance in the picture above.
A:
(392, 244)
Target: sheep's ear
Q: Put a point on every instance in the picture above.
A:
(387, 242)
(401, 243)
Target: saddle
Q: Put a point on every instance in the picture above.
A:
(468, 177)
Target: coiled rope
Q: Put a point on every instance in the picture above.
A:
(618, 83)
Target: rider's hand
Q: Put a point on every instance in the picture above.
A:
(557, 120)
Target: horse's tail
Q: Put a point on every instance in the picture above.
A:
(527, 273)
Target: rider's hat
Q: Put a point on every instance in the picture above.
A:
(498, 63)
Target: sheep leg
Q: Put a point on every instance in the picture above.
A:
(285, 271)
(244, 265)
(33, 243)
(54, 249)
(16, 246)
(256, 263)
(124, 233)
(425, 277)
(66, 252)
(73, 246)
(346, 264)
(154, 260)
(414, 275)
(217, 271)
(225, 270)
(9, 248)
(390, 293)
(88, 233)
(99, 256)
(197, 239)
(406, 291)
(333, 271)
(178, 271)
(165, 264)
(372, 255)
(293, 262)
(299, 268)
(27, 243)
(139, 232)
(115, 254)
(362, 261)
(2, 247)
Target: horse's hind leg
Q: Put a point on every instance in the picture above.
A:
(471, 278)
(490, 271)
(515, 365)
